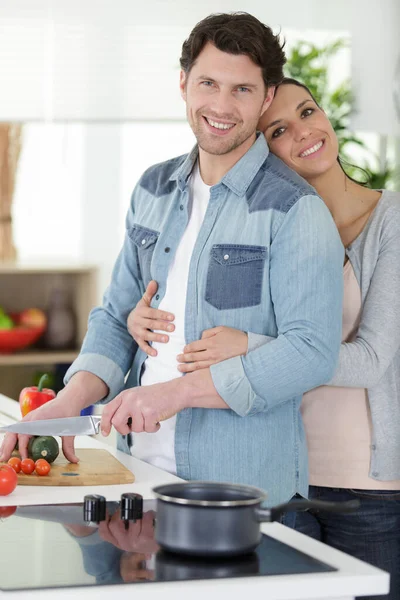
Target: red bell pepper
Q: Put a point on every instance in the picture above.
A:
(34, 396)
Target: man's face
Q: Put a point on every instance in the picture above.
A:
(225, 96)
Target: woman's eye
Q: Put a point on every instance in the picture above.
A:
(278, 132)
(307, 112)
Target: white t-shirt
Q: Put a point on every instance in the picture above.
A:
(158, 448)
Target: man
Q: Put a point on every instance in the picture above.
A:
(255, 248)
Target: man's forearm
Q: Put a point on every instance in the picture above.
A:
(84, 389)
(197, 390)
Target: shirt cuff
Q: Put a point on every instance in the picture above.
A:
(232, 385)
(92, 539)
(104, 368)
(255, 340)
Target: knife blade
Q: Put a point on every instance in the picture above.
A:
(86, 425)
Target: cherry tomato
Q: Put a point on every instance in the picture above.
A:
(7, 511)
(27, 466)
(42, 467)
(15, 463)
(8, 480)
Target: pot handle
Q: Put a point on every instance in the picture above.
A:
(266, 515)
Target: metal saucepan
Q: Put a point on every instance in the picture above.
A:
(201, 518)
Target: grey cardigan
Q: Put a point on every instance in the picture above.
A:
(372, 360)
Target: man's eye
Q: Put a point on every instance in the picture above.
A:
(207, 83)
(278, 132)
(243, 89)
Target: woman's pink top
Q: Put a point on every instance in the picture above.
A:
(338, 421)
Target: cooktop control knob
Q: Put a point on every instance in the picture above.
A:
(131, 507)
(94, 508)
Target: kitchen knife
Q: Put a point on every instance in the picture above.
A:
(86, 425)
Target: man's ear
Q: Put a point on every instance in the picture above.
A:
(182, 84)
(268, 98)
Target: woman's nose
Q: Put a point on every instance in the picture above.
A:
(301, 132)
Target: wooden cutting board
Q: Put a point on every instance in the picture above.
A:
(96, 467)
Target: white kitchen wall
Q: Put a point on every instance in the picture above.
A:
(75, 179)
(48, 195)
(74, 186)
(108, 60)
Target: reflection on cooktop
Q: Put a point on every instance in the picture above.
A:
(68, 552)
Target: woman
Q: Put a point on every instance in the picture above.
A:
(353, 423)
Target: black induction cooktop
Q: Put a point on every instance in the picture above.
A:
(54, 546)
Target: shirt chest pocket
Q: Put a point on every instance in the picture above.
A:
(145, 241)
(235, 276)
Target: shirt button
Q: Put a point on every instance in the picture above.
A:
(226, 256)
(167, 249)
(157, 296)
(143, 242)
(373, 447)
(375, 474)
(181, 207)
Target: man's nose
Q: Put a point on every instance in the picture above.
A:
(223, 103)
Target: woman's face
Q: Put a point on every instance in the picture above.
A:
(299, 132)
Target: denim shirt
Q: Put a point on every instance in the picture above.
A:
(268, 259)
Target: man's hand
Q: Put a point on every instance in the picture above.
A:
(143, 321)
(136, 537)
(82, 390)
(216, 344)
(54, 409)
(132, 567)
(142, 408)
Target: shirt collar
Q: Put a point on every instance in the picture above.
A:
(243, 172)
(236, 179)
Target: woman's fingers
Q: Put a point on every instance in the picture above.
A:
(197, 346)
(207, 333)
(195, 366)
(194, 356)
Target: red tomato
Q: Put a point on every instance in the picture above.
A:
(42, 467)
(8, 480)
(27, 466)
(7, 511)
(15, 463)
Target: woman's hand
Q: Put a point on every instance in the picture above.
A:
(143, 321)
(216, 344)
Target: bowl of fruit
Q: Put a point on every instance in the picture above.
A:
(20, 330)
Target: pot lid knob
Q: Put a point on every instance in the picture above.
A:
(94, 508)
(131, 507)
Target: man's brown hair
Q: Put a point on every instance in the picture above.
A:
(237, 33)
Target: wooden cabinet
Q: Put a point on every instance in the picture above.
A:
(24, 287)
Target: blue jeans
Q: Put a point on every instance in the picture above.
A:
(371, 534)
